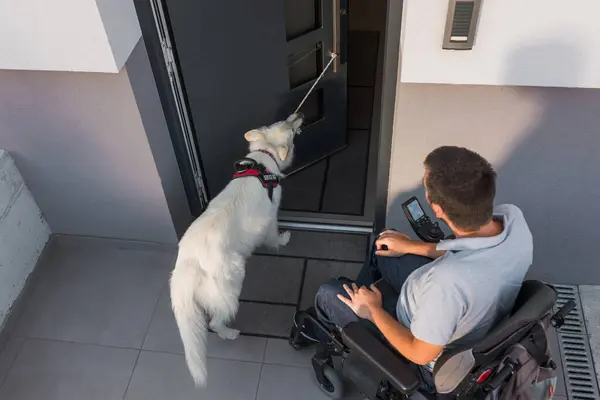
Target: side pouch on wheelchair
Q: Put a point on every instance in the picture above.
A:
(534, 377)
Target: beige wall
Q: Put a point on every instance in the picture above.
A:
(545, 144)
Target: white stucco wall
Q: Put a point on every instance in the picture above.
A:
(524, 43)
(67, 35)
(23, 233)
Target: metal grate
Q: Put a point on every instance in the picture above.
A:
(580, 377)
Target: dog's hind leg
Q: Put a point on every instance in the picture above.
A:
(217, 324)
(221, 312)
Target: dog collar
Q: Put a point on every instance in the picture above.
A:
(247, 167)
(270, 155)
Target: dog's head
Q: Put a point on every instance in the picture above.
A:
(277, 138)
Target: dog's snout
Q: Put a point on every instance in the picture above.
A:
(300, 116)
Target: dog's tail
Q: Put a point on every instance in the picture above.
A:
(191, 319)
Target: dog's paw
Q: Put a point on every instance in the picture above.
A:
(228, 333)
(284, 238)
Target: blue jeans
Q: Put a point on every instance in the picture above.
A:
(395, 271)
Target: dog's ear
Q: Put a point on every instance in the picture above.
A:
(283, 151)
(254, 135)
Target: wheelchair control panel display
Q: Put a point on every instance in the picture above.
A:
(425, 229)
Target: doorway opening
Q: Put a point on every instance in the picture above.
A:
(341, 187)
(219, 80)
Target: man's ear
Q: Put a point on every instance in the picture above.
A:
(254, 135)
(437, 211)
(283, 151)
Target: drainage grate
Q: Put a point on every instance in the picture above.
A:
(580, 377)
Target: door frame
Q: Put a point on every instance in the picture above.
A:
(157, 36)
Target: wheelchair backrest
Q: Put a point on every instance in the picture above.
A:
(455, 368)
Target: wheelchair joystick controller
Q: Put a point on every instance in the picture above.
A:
(426, 230)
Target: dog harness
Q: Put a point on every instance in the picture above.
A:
(249, 167)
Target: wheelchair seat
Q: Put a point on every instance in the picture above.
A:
(380, 372)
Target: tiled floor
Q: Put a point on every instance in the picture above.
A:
(96, 323)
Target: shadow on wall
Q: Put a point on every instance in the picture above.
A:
(78, 140)
(551, 173)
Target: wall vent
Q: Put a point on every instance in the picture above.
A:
(578, 366)
(461, 24)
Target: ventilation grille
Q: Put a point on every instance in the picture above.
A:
(580, 377)
(463, 14)
(461, 24)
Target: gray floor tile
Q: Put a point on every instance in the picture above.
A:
(9, 355)
(360, 107)
(273, 279)
(590, 303)
(68, 371)
(302, 190)
(164, 336)
(318, 272)
(346, 176)
(244, 348)
(293, 383)
(333, 246)
(362, 57)
(96, 291)
(280, 352)
(264, 319)
(160, 376)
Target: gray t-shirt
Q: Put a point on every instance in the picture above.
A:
(458, 297)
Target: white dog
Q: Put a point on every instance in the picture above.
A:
(208, 276)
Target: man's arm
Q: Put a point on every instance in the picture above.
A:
(367, 304)
(399, 244)
(424, 249)
(401, 338)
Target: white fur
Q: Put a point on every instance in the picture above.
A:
(208, 276)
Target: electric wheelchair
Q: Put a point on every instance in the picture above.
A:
(354, 353)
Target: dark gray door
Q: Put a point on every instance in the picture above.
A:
(247, 63)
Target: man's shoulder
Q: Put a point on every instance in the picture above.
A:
(508, 209)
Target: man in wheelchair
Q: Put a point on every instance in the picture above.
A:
(418, 301)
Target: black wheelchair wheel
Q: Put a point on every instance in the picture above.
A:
(333, 385)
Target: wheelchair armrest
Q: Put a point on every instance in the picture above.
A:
(397, 370)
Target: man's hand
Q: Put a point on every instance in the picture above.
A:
(362, 300)
(397, 244)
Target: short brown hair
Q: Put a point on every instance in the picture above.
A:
(463, 184)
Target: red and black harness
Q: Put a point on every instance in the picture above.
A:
(250, 167)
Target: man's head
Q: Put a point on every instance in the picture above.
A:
(460, 187)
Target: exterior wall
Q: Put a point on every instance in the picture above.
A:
(23, 233)
(67, 35)
(543, 36)
(544, 143)
(79, 141)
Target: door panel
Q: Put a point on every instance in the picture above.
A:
(249, 63)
